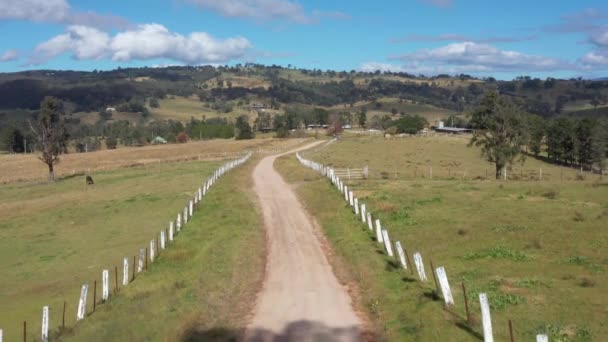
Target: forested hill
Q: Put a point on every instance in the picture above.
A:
(228, 87)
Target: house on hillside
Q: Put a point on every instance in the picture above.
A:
(441, 128)
(257, 106)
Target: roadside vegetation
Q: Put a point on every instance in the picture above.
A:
(534, 246)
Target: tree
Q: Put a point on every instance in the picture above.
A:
(410, 124)
(362, 116)
(154, 103)
(111, 143)
(243, 129)
(536, 133)
(182, 138)
(50, 133)
(12, 140)
(499, 130)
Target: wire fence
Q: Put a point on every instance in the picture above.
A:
(130, 268)
(441, 285)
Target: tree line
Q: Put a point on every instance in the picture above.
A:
(506, 132)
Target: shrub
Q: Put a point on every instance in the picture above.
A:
(182, 138)
(111, 143)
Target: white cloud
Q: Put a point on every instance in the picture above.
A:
(449, 37)
(596, 58)
(478, 57)
(56, 11)
(34, 10)
(143, 42)
(600, 37)
(267, 10)
(382, 67)
(263, 10)
(9, 56)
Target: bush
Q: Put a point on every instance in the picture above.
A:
(182, 138)
(111, 143)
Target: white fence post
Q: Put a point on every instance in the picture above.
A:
(125, 271)
(45, 325)
(370, 224)
(445, 286)
(387, 243)
(171, 231)
(420, 266)
(152, 251)
(82, 303)
(357, 206)
(162, 239)
(401, 255)
(363, 212)
(539, 338)
(486, 318)
(105, 291)
(140, 262)
(378, 231)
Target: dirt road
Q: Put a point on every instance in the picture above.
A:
(301, 299)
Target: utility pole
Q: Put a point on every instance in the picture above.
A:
(24, 146)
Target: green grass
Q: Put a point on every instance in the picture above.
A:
(522, 242)
(184, 108)
(55, 237)
(203, 286)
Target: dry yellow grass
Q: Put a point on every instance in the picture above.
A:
(15, 168)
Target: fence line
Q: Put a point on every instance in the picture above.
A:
(151, 253)
(442, 285)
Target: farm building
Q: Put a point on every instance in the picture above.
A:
(441, 128)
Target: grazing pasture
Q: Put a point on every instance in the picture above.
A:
(535, 247)
(29, 168)
(54, 237)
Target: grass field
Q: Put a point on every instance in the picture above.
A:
(56, 236)
(536, 247)
(28, 167)
(202, 287)
(184, 108)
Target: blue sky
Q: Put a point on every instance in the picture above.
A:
(484, 38)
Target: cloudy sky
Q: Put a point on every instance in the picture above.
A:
(503, 39)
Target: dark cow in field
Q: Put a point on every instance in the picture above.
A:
(90, 180)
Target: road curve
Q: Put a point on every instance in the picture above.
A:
(301, 299)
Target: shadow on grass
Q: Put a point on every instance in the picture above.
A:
(409, 280)
(464, 326)
(295, 331)
(392, 266)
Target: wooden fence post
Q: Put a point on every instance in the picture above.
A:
(115, 279)
(63, 316)
(466, 304)
(24, 331)
(407, 257)
(435, 278)
(511, 331)
(146, 264)
(94, 294)
(133, 277)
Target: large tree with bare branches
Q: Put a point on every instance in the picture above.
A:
(50, 133)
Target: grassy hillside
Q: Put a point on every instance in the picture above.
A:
(534, 246)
